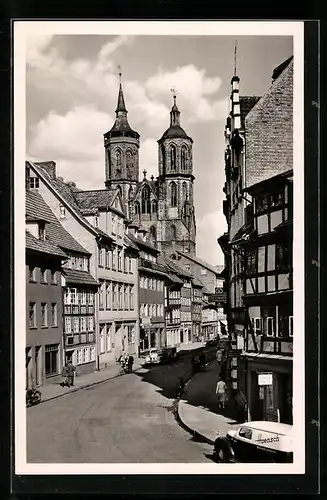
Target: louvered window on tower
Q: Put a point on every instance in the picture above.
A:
(173, 194)
(173, 157)
(183, 158)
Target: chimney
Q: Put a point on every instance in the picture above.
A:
(236, 111)
(49, 167)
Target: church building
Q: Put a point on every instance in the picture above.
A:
(163, 206)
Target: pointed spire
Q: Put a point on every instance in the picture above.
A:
(175, 113)
(121, 102)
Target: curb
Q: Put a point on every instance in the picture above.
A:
(182, 422)
(188, 428)
(88, 385)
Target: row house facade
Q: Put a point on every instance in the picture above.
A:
(258, 137)
(44, 318)
(268, 300)
(97, 222)
(153, 281)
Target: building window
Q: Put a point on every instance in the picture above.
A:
(269, 326)
(126, 298)
(41, 232)
(34, 182)
(131, 297)
(251, 262)
(54, 318)
(67, 297)
(154, 206)
(118, 158)
(32, 315)
(62, 210)
(137, 208)
(121, 297)
(120, 260)
(68, 325)
(44, 314)
(173, 157)
(101, 290)
(73, 296)
(129, 159)
(257, 325)
(51, 359)
(83, 297)
(100, 255)
(184, 189)
(83, 324)
(32, 273)
(130, 269)
(108, 296)
(282, 256)
(261, 203)
(76, 324)
(183, 157)
(107, 259)
(173, 234)
(90, 321)
(114, 259)
(54, 277)
(44, 275)
(173, 194)
(146, 199)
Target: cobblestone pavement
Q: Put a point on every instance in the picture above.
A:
(127, 419)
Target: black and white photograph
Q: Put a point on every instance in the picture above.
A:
(159, 285)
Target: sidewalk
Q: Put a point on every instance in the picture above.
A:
(198, 410)
(53, 391)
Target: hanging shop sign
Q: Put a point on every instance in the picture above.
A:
(265, 378)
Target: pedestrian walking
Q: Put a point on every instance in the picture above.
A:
(130, 363)
(221, 393)
(68, 372)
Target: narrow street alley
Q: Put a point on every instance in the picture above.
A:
(128, 419)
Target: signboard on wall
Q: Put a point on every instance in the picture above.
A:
(265, 378)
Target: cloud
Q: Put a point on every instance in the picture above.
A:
(210, 227)
(192, 86)
(149, 158)
(75, 141)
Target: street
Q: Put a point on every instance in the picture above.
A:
(127, 419)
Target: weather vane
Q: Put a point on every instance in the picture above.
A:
(119, 71)
(174, 92)
(235, 57)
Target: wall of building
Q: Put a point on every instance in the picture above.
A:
(38, 337)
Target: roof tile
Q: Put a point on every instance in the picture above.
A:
(76, 277)
(41, 246)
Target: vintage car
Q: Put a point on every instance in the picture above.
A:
(256, 442)
(163, 355)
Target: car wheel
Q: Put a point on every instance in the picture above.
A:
(222, 455)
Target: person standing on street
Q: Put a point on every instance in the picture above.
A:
(221, 393)
(130, 363)
(70, 373)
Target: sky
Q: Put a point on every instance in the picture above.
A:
(71, 96)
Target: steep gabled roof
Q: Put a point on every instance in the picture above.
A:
(32, 243)
(96, 199)
(77, 277)
(176, 267)
(198, 261)
(67, 196)
(246, 104)
(55, 232)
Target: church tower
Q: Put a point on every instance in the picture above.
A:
(121, 145)
(176, 217)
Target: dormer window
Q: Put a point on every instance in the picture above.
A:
(41, 232)
(34, 182)
(62, 212)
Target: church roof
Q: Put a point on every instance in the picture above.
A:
(121, 125)
(96, 198)
(174, 131)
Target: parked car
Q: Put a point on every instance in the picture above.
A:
(256, 442)
(160, 355)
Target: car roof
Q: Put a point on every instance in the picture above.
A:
(267, 426)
